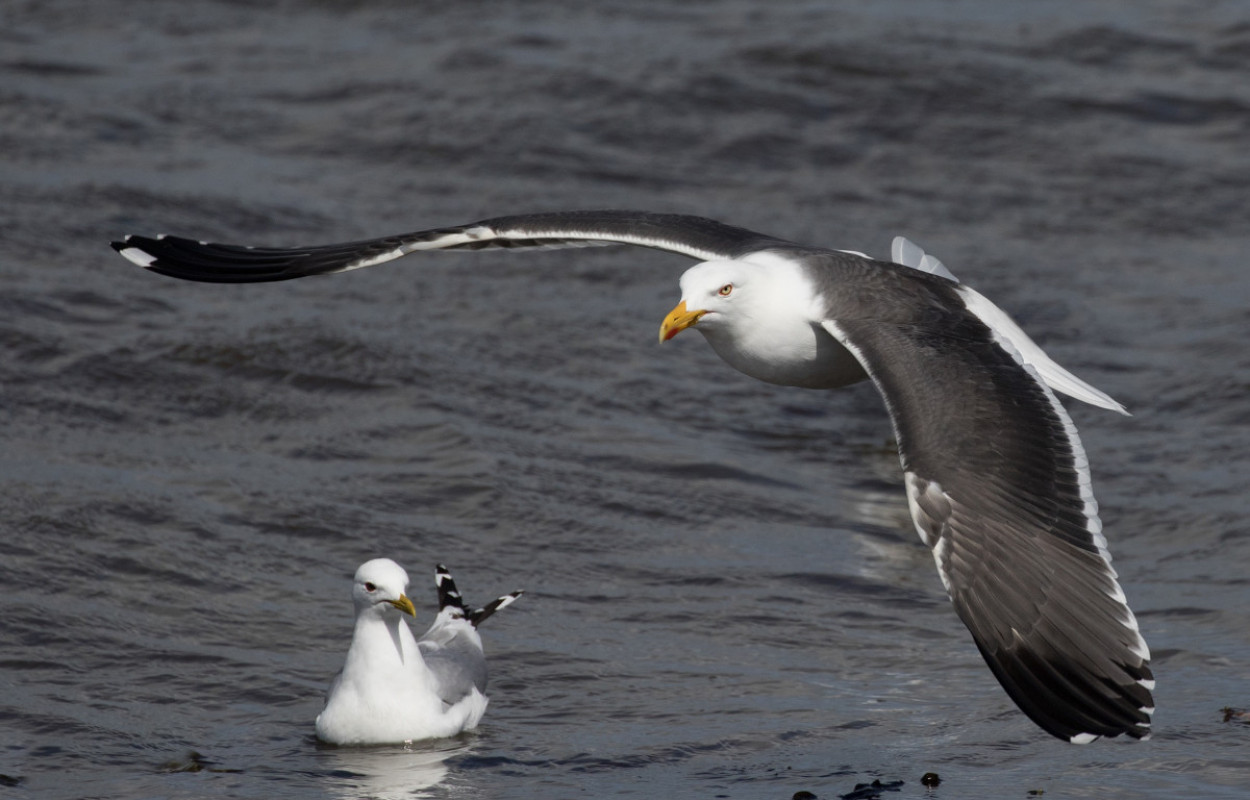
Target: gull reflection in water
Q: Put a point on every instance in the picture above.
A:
(391, 772)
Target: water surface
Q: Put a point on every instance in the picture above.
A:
(725, 596)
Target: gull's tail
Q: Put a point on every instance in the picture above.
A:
(449, 597)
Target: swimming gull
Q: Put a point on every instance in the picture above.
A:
(995, 476)
(396, 688)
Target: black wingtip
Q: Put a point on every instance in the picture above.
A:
(477, 616)
(449, 596)
(1071, 704)
(207, 262)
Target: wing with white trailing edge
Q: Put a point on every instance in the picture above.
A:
(694, 237)
(999, 488)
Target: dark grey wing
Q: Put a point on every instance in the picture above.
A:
(454, 654)
(696, 237)
(999, 487)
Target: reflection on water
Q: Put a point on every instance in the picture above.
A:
(389, 773)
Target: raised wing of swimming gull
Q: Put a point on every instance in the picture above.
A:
(452, 647)
(996, 477)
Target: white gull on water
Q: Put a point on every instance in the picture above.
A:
(996, 478)
(397, 688)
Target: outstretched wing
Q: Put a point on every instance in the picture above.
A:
(695, 237)
(999, 488)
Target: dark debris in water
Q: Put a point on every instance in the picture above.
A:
(867, 791)
(193, 762)
(930, 779)
(10, 780)
(1236, 715)
(871, 791)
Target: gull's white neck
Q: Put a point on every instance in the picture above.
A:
(382, 643)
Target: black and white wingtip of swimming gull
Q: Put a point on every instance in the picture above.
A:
(995, 475)
(397, 688)
(452, 604)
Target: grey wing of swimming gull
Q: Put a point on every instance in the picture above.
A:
(457, 662)
(999, 488)
(695, 237)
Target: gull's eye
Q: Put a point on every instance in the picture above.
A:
(369, 587)
(725, 290)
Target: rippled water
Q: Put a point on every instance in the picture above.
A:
(725, 595)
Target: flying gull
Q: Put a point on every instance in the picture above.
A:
(996, 478)
(396, 688)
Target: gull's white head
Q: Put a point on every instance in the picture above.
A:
(714, 295)
(380, 586)
(761, 314)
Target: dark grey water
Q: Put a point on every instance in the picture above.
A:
(726, 598)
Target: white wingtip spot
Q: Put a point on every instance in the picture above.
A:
(137, 256)
(508, 600)
(1084, 738)
(1149, 685)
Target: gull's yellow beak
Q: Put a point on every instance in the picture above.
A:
(405, 605)
(678, 320)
